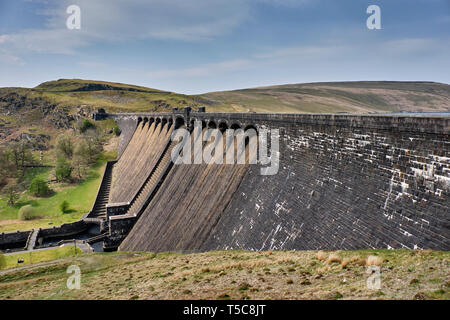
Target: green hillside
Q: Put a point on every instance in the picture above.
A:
(114, 97)
(332, 97)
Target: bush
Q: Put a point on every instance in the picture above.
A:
(26, 213)
(117, 131)
(39, 187)
(63, 170)
(85, 125)
(64, 206)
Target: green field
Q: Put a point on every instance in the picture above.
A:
(79, 196)
(33, 257)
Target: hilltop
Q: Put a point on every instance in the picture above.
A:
(333, 97)
(59, 104)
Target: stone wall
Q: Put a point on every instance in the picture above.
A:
(14, 240)
(66, 229)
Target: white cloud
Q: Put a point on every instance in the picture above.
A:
(117, 21)
(9, 58)
(43, 41)
(202, 70)
(192, 20)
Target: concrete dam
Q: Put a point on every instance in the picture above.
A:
(344, 182)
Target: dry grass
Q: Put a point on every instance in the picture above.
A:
(322, 256)
(238, 275)
(333, 258)
(374, 261)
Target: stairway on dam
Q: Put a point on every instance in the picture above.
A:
(189, 209)
(99, 208)
(151, 183)
(138, 160)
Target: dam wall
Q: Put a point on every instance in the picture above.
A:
(344, 182)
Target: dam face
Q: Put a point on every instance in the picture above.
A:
(344, 182)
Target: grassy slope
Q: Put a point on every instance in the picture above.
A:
(356, 97)
(233, 275)
(114, 97)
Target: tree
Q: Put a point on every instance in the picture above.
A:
(26, 213)
(80, 160)
(39, 187)
(12, 193)
(64, 145)
(5, 166)
(64, 206)
(93, 145)
(21, 155)
(63, 169)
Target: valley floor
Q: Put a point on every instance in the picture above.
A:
(405, 274)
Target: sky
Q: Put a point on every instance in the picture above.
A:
(198, 46)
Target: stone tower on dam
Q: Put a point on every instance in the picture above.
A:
(344, 182)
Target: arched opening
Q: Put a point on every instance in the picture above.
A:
(179, 122)
(163, 123)
(212, 125)
(248, 130)
(235, 126)
(251, 126)
(223, 126)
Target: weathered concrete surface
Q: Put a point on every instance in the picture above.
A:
(344, 189)
(138, 159)
(183, 213)
(345, 182)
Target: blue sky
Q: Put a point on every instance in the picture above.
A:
(197, 46)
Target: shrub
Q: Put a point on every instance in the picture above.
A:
(39, 187)
(85, 125)
(322, 256)
(64, 206)
(63, 170)
(333, 258)
(26, 213)
(117, 131)
(374, 261)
